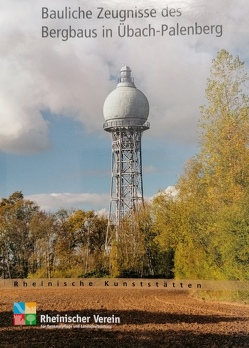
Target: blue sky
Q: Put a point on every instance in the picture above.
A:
(52, 144)
(80, 162)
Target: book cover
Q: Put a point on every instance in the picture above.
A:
(124, 169)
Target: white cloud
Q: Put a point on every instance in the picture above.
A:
(170, 191)
(72, 78)
(56, 201)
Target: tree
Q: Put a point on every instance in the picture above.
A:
(225, 131)
(137, 252)
(44, 233)
(80, 243)
(16, 242)
(206, 224)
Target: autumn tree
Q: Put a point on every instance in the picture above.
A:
(89, 229)
(136, 253)
(44, 233)
(207, 225)
(16, 242)
(225, 131)
(127, 253)
(80, 244)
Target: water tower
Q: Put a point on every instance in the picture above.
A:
(126, 111)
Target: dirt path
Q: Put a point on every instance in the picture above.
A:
(148, 318)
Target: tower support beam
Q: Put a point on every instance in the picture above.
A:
(126, 179)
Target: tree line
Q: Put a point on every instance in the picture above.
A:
(40, 244)
(34, 243)
(201, 233)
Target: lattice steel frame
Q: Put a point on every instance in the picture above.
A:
(126, 179)
(126, 185)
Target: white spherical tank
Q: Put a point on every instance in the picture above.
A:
(126, 105)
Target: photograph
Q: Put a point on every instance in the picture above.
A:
(124, 173)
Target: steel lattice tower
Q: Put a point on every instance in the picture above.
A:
(126, 110)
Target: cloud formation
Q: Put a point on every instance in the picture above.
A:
(55, 201)
(73, 77)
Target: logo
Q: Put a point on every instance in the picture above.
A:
(24, 313)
